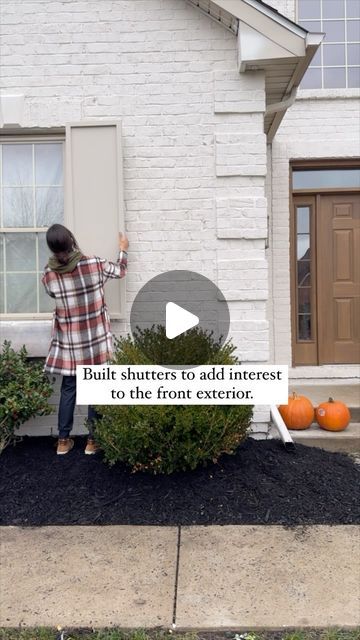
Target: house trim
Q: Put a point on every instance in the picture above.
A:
(258, 14)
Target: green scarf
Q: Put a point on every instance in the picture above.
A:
(57, 266)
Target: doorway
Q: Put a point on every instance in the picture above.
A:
(325, 266)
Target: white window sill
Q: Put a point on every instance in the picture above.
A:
(325, 94)
(34, 335)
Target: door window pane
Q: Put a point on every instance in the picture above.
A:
(20, 251)
(318, 178)
(304, 327)
(17, 164)
(48, 164)
(21, 292)
(303, 272)
(303, 246)
(304, 297)
(303, 219)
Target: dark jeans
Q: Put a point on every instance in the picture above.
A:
(67, 406)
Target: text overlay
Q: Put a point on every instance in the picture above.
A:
(206, 384)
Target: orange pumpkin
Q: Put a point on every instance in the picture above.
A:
(298, 413)
(332, 415)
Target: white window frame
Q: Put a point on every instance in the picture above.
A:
(22, 138)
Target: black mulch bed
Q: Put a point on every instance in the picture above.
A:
(261, 484)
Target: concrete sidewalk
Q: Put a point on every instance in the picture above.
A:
(216, 577)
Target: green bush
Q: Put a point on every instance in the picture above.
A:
(168, 438)
(24, 390)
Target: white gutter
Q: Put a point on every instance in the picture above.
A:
(282, 428)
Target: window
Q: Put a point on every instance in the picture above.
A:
(80, 165)
(31, 199)
(337, 61)
(322, 178)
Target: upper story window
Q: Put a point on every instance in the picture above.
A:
(337, 61)
(31, 199)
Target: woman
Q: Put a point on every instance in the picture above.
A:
(81, 324)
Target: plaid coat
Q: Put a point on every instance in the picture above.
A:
(81, 324)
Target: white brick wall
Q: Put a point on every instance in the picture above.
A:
(240, 154)
(241, 217)
(194, 148)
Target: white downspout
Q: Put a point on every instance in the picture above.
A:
(283, 104)
(282, 428)
(274, 411)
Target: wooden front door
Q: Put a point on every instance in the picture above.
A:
(338, 278)
(326, 278)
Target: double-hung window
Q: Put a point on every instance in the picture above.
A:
(73, 178)
(31, 199)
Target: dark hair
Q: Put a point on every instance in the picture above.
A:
(60, 239)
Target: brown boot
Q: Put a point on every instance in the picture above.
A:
(64, 445)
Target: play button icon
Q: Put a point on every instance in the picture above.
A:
(178, 320)
(176, 314)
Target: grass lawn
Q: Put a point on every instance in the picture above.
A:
(113, 634)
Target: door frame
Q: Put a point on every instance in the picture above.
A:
(306, 352)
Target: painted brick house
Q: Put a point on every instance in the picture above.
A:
(223, 135)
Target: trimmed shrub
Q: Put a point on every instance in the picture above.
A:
(24, 390)
(168, 438)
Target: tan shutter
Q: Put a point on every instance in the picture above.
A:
(94, 209)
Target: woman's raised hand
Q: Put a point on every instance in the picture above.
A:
(123, 242)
